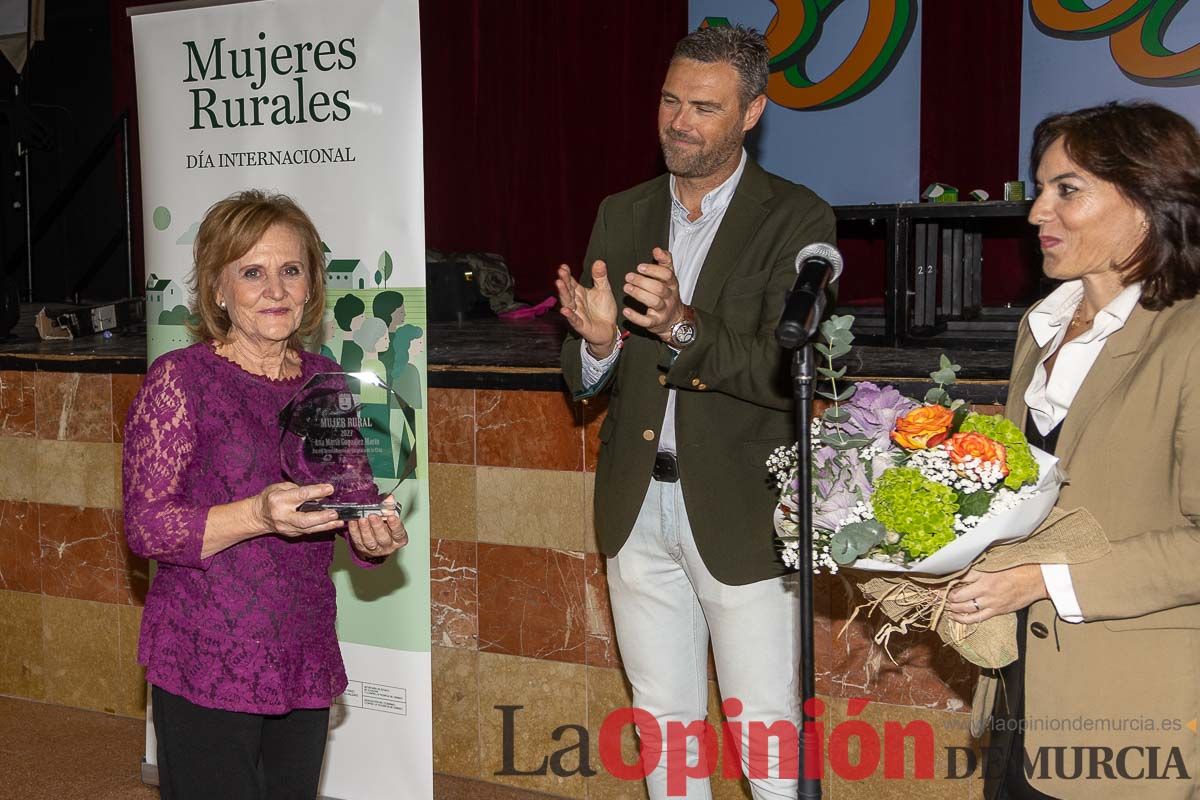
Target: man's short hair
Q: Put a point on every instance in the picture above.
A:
(740, 47)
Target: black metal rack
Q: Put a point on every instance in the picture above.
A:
(931, 246)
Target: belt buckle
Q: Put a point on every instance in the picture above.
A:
(666, 468)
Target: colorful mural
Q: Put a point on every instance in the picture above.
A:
(1136, 31)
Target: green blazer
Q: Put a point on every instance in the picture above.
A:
(734, 394)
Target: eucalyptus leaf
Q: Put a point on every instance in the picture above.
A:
(822, 349)
(835, 415)
(835, 440)
(944, 362)
(826, 395)
(847, 393)
(943, 376)
(839, 349)
(935, 395)
(855, 540)
(841, 550)
(832, 374)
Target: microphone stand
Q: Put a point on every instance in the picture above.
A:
(802, 390)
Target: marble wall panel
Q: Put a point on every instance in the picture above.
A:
(81, 553)
(532, 603)
(17, 415)
(131, 676)
(590, 543)
(118, 479)
(82, 653)
(455, 711)
(533, 430)
(22, 655)
(133, 580)
(73, 406)
(550, 695)
(452, 426)
(20, 552)
(18, 468)
(601, 637)
(452, 502)
(124, 389)
(454, 594)
(824, 631)
(920, 670)
(77, 474)
(531, 507)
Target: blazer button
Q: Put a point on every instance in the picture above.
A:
(702, 387)
(1039, 630)
(662, 380)
(695, 381)
(648, 435)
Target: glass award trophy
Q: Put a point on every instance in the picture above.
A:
(350, 430)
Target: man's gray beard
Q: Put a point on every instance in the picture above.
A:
(701, 164)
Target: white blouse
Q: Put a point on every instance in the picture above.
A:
(1050, 400)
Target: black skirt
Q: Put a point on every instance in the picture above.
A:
(1006, 779)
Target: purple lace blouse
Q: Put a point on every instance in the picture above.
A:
(251, 628)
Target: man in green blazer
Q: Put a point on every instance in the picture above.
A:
(675, 318)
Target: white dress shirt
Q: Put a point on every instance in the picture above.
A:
(689, 245)
(1050, 400)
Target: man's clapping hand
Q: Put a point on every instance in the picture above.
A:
(591, 312)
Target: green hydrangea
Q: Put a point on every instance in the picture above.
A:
(918, 509)
(1022, 467)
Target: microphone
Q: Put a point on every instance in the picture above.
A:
(817, 265)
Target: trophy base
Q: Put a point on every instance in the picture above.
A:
(346, 511)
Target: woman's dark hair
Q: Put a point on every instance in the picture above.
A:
(1152, 156)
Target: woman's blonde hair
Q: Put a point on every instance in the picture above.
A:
(229, 230)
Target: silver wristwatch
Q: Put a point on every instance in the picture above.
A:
(683, 333)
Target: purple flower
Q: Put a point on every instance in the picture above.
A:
(873, 411)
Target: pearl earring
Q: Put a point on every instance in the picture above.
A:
(221, 303)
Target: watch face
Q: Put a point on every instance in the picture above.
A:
(683, 332)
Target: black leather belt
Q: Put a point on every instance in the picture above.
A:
(666, 468)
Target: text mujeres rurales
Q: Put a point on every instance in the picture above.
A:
(295, 103)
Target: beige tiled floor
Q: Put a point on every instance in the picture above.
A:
(50, 752)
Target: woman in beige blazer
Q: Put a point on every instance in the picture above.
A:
(1104, 699)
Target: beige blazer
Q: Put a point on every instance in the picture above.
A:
(1128, 677)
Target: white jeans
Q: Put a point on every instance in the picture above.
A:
(666, 605)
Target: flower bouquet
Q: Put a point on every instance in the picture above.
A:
(920, 491)
(907, 486)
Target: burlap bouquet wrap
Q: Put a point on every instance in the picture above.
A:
(917, 602)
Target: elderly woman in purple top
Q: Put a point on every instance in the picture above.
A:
(238, 631)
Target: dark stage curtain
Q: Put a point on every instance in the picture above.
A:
(970, 124)
(534, 112)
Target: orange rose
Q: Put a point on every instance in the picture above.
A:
(923, 427)
(963, 446)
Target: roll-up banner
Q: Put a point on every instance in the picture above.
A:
(320, 101)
